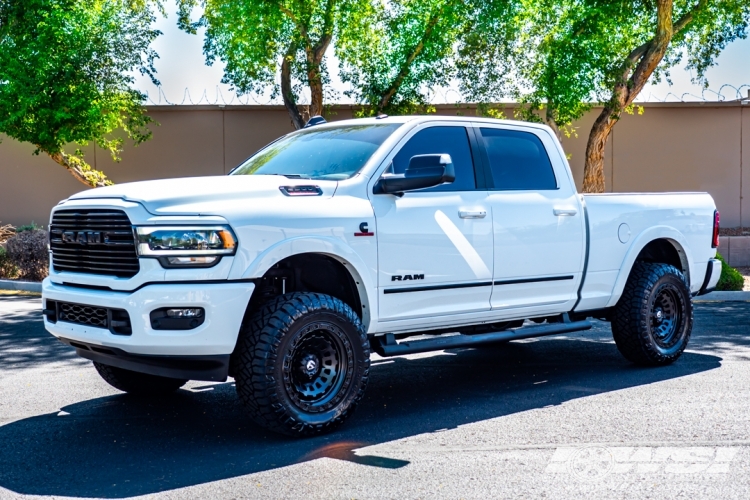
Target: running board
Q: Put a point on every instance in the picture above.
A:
(386, 345)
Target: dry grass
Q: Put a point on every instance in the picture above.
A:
(19, 292)
(6, 232)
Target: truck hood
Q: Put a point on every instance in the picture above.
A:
(193, 195)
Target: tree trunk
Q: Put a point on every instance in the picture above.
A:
(314, 75)
(79, 169)
(593, 171)
(287, 94)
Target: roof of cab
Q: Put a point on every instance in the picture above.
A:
(416, 119)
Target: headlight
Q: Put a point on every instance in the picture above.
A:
(186, 245)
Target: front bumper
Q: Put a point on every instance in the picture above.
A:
(224, 303)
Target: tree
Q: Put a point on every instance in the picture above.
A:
(66, 73)
(260, 40)
(698, 28)
(566, 55)
(408, 50)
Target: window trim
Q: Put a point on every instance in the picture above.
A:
(490, 180)
(474, 150)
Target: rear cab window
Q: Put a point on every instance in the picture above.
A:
(517, 160)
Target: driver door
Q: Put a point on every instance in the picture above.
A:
(435, 245)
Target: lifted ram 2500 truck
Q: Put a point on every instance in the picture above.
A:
(357, 236)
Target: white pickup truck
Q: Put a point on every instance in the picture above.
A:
(357, 236)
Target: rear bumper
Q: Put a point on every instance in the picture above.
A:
(713, 273)
(224, 304)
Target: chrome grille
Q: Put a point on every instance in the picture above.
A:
(94, 241)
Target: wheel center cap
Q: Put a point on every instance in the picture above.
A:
(310, 365)
(659, 315)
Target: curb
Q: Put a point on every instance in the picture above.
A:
(724, 297)
(24, 286)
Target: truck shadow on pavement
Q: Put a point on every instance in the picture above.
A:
(24, 342)
(119, 446)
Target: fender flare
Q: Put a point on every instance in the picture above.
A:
(331, 247)
(678, 241)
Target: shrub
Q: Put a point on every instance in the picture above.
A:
(731, 280)
(7, 269)
(28, 227)
(28, 252)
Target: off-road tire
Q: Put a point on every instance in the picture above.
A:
(270, 375)
(141, 384)
(639, 329)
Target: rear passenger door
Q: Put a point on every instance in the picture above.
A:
(538, 224)
(434, 244)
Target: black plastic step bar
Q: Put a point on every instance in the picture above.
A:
(386, 345)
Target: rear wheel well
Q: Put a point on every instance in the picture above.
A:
(307, 272)
(664, 251)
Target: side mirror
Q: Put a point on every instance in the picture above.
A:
(423, 171)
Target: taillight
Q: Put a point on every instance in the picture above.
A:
(715, 242)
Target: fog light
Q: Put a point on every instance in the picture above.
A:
(172, 318)
(184, 313)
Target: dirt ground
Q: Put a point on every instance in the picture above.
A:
(745, 271)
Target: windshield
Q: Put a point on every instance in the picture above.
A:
(330, 153)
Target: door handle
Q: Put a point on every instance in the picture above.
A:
(477, 214)
(564, 211)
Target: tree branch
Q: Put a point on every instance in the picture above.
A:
(79, 169)
(406, 67)
(687, 18)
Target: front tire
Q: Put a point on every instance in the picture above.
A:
(653, 319)
(141, 384)
(302, 363)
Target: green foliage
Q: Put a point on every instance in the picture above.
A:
(258, 40)
(564, 55)
(392, 61)
(66, 73)
(731, 279)
(28, 227)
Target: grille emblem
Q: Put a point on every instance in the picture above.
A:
(85, 237)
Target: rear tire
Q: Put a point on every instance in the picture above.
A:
(141, 384)
(653, 320)
(301, 364)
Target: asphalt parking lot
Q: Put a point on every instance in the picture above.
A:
(558, 417)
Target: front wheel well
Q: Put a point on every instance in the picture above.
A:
(308, 272)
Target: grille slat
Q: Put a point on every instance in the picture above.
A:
(111, 250)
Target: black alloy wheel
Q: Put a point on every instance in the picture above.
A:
(666, 315)
(316, 365)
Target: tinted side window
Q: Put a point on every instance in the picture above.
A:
(441, 140)
(518, 160)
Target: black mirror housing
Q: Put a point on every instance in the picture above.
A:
(423, 171)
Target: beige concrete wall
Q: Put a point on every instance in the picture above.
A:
(671, 147)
